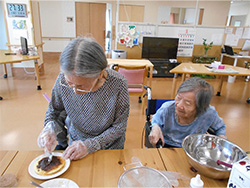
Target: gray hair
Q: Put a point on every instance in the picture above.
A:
(203, 92)
(83, 57)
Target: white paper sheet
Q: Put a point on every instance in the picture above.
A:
(232, 40)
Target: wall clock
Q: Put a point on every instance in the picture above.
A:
(16, 10)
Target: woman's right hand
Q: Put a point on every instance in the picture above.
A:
(47, 138)
(155, 135)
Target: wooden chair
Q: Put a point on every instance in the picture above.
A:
(137, 79)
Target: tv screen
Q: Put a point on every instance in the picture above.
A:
(160, 48)
(24, 45)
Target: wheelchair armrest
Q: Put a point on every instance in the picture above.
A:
(211, 131)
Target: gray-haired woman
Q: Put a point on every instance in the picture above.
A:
(190, 113)
(94, 98)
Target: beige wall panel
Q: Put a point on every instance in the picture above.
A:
(215, 12)
(132, 53)
(131, 13)
(135, 52)
(36, 22)
(137, 14)
(97, 22)
(215, 51)
(125, 13)
(82, 19)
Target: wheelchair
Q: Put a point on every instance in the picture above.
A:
(152, 106)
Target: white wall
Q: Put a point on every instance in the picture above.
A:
(15, 34)
(54, 23)
(3, 37)
(239, 9)
(190, 15)
(215, 13)
(163, 14)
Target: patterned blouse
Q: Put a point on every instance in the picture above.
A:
(98, 118)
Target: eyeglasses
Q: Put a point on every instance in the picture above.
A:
(76, 87)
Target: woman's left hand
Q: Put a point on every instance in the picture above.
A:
(77, 150)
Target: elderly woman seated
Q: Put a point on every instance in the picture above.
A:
(94, 98)
(190, 113)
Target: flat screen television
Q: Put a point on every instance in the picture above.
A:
(24, 45)
(159, 48)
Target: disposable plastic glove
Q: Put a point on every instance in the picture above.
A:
(155, 135)
(47, 138)
(77, 150)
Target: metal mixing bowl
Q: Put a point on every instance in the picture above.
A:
(204, 150)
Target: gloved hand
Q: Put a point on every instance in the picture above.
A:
(47, 138)
(77, 150)
(155, 135)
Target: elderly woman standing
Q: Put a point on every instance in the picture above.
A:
(94, 98)
(190, 113)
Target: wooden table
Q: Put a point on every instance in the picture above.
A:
(103, 168)
(4, 59)
(175, 160)
(134, 62)
(5, 159)
(194, 68)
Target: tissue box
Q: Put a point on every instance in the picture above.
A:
(240, 174)
(221, 66)
(217, 65)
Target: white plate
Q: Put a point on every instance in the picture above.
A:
(60, 182)
(45, 177)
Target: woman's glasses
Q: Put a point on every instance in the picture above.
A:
(79, 88)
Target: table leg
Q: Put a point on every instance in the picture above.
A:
(174, 86)
(235, 61)
(5, 71)
(183, 78)
(37, 75)
(220, 86)
(221, 58)
(150, 75)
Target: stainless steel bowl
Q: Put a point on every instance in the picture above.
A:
(204, 150)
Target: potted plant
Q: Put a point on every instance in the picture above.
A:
(206, 46)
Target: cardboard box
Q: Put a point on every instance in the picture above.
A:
(240, 174)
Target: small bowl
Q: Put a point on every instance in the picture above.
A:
(204, 150)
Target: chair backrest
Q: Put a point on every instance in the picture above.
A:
(154, 105)
(135, 75)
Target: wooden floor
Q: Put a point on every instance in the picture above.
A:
(23, 108)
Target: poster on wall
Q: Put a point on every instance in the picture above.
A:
(19, 24)
(246, 33)
(186, 42)
(232, 40)
(128, 36)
